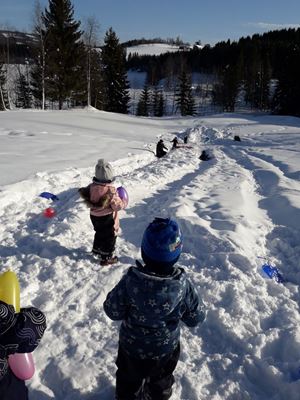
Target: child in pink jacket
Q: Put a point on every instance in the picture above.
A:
(104, 202)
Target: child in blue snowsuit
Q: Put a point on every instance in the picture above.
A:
(19, 333)
(151, 300)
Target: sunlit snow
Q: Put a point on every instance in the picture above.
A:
(236, 211)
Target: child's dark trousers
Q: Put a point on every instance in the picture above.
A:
(156, 376)
(12, 388)
(105, 237)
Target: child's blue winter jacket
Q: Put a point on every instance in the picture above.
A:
(151, 307)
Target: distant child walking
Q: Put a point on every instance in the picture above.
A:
(19, 333)
(104, 202)
(175, 143)
(151, 300)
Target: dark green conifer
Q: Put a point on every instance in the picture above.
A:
(287, 95)
(65, 53)
(96, 77)
(158, 102)
(184, 96)
(4, 103)
(115, 91)
(143, 107)
(23, 92)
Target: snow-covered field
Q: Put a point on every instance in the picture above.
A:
(236, 211)
(152, 49)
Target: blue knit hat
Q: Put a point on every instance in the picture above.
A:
(162, 242)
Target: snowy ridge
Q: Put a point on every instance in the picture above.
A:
(152, 49)
(240, 206)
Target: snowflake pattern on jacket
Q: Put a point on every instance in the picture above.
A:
(151, 307)
(19, 332)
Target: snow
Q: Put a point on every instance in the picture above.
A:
(152, 49)
(236, 211)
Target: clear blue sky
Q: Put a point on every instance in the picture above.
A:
(209, 21)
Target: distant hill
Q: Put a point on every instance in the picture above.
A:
(16, 47)
(152, 49)
(155, 46)
(136, 42)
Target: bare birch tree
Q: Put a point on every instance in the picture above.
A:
(90, 39)
(40, 31)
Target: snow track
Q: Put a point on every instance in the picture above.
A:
(232, 210)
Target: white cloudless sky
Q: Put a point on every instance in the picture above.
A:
(191, 20)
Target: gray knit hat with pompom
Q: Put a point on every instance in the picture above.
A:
(104, 172)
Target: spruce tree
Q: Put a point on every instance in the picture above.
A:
(65, 54)
(184, 96)
(262, 90)
(37, 85)
(4, 103)
(143, 107)
(161, 105)
(116, 96)
(23, 92)
(287, 96)
(230, 88)
(158, 102)
(257, 77)
(96, 78)
(252, 67)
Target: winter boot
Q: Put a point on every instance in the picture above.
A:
(109, 260)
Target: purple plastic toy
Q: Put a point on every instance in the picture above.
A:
(123, 195)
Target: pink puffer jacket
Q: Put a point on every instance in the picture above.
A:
(106, 195)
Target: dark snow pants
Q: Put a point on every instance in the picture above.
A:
(160, 154)
(105, 237)
(12, 388)
(156, 376)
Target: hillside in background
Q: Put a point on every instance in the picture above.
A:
(16, 47)
(151, 49)
(254, 73)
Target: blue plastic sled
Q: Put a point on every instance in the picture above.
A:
(49, 196)
(273, 273)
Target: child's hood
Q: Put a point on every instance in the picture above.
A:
(7, 317)
(177, 275)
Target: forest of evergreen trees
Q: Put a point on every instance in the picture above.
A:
(262, 68)
(68, 69)
(136, 42)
